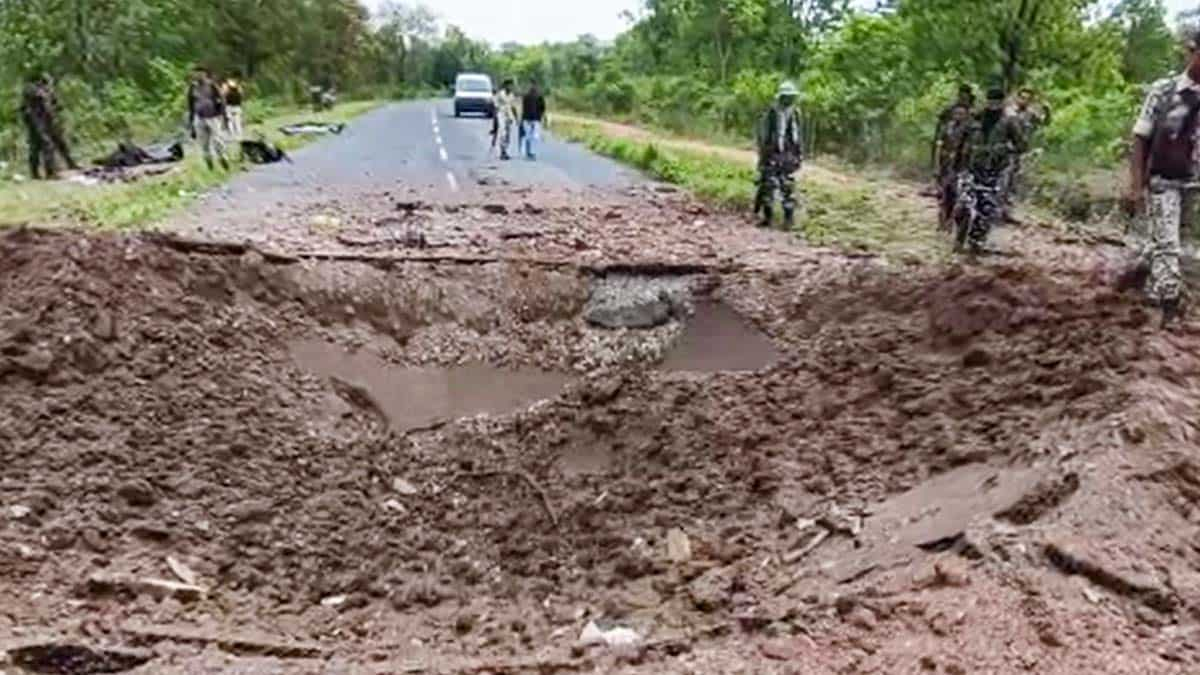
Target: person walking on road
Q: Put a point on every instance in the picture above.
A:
(234, 92)
(780, 155)
(995, 138)
(506, 117)
(207, 116)
(533, 113)
(1163, 171)
(39, 112)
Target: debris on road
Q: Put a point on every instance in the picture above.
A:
(69, 658)
(617, 636)
(104, 583)
(185, 574)
(312, 128)
(679, 547)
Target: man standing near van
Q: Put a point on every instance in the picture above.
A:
(533, 112)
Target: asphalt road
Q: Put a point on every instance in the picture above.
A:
(418, 145)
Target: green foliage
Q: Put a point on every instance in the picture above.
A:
(875, 81)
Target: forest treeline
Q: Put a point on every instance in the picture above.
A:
(873, 81)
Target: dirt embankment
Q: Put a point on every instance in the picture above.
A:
(973, 470)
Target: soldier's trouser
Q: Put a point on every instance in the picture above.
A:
(989, 208)
(1012, 173)
(211, 138)
(505, 139)
(772, 180)
(237, 129)
(1162, 249)
(41, 154)
(60, 144)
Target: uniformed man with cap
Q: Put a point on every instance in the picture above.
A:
(780, 154)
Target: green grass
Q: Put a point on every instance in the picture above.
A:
(846, 211)
(147, 202)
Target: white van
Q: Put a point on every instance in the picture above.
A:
(473, 94)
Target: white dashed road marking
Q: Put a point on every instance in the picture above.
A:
(452, 180)
(442, 152)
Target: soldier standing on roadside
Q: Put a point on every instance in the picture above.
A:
(950, 159)
(207, 117)
(780, 155)
(39, 111)
(994, 139)
(966, 98)
(1163, 167)
(506, 116)
(1031, 118)
(235, 93)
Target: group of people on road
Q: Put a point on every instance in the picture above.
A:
(528, 118)
(978, 158)
(215, 113)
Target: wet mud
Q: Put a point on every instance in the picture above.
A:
(410, 398)
(868, 466)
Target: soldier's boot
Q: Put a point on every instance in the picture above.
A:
(768, 216)
(789, 218)
(1133, 278)
(1173, 310)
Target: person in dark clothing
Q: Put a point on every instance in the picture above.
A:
(533, 114)
(966, 99)
(39, 112)
(207, 117)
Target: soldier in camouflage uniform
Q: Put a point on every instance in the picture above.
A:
(966, 99)
(994, 139)
(949, 158)
(39, 112)
(780, 155)
(1164, 167)
(1030, 117)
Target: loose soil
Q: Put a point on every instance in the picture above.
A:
(253, 463)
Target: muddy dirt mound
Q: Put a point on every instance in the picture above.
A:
(168, 460)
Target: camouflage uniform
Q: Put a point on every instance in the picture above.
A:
(780, 155)
(950, 161)
(1029, 120)
(506, 117)
(1168, 114)
(39, 111)
(988, 153)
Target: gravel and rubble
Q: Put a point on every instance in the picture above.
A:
(960, 469)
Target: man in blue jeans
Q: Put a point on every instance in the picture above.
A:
(533, 111)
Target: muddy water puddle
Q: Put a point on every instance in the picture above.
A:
(717, 339)
(411, 398)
